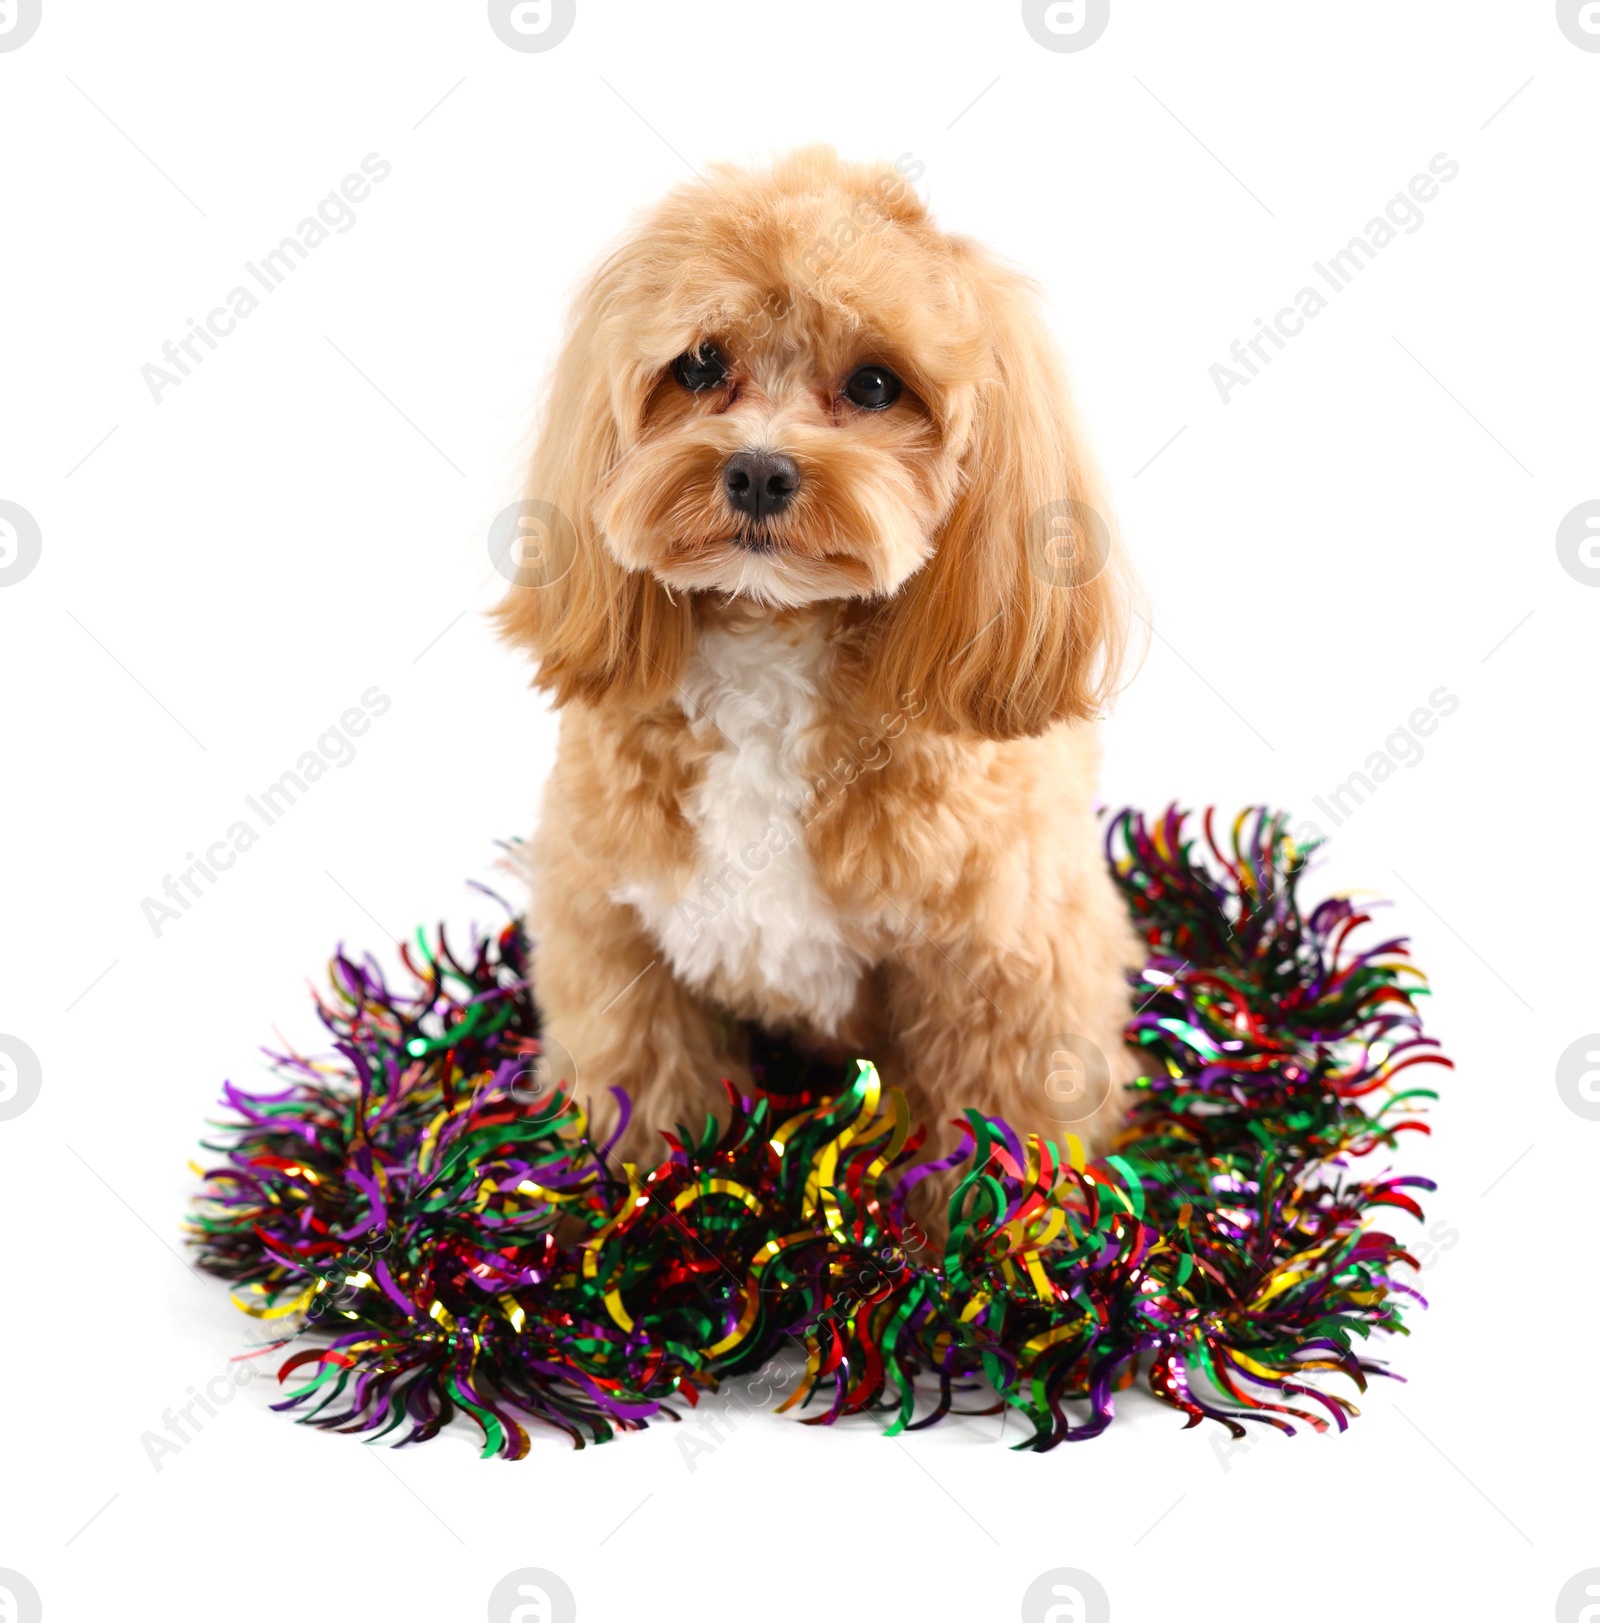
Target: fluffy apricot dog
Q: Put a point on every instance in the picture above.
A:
(817, 569)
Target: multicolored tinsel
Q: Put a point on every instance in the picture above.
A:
(449, 1240)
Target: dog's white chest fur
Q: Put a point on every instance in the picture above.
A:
(755, 907)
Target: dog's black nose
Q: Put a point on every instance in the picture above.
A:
(760, 483)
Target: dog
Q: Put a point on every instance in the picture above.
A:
(820, 576)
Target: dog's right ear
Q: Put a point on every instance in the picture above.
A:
(597, 630)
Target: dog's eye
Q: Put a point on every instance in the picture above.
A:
(700, 369)
(873, 388)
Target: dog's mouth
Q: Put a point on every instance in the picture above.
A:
(755, 562)
(755, 540)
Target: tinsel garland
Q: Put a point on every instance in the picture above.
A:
(440, 1241)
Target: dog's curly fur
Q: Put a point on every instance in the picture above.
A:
(832, 770)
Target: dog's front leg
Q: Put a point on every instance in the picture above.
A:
(610, 1000)
(1031, 1032)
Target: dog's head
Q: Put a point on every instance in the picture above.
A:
(790, 386)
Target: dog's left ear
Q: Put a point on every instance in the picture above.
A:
(1019, 618)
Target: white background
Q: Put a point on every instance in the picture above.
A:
(1372, 518)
